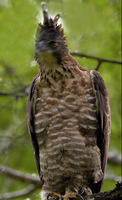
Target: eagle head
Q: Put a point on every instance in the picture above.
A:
(50, 43)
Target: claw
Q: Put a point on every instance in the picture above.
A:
(75, 196)
(71, 196)
(55, 195)
(78, 195)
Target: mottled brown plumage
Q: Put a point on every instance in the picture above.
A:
(69, 118)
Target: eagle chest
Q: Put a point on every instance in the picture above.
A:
(65, 126)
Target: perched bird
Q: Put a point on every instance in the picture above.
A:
(68, 117)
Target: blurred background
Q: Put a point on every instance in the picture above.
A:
(92, 27)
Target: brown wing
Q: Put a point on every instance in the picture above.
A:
(104, 120)
(31, 126)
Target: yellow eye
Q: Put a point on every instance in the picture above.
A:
(53, 45)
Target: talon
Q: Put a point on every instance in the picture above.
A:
(78, 195)
(48, 196)
(75, 196)
(54, 194)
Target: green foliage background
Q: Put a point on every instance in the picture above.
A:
(92, 27)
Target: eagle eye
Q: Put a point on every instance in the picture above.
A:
(53, 44)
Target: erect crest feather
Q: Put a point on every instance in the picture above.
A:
(50, 24)
(49, 21)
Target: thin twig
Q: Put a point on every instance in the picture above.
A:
(14, 92)
(95, 57)
(12, 142)
(20, 193)
(9, 69)
(98, 65)
(7, 105)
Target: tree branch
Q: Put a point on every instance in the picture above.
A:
(28, 178)
(113, 158)
(22, 92)
(115, 194)
(25, 177)
(35, 183)
(113, 177)
(20, 193)
(95, 57)
(99, 59)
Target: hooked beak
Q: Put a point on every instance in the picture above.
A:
(42, 46)
(44, 55)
